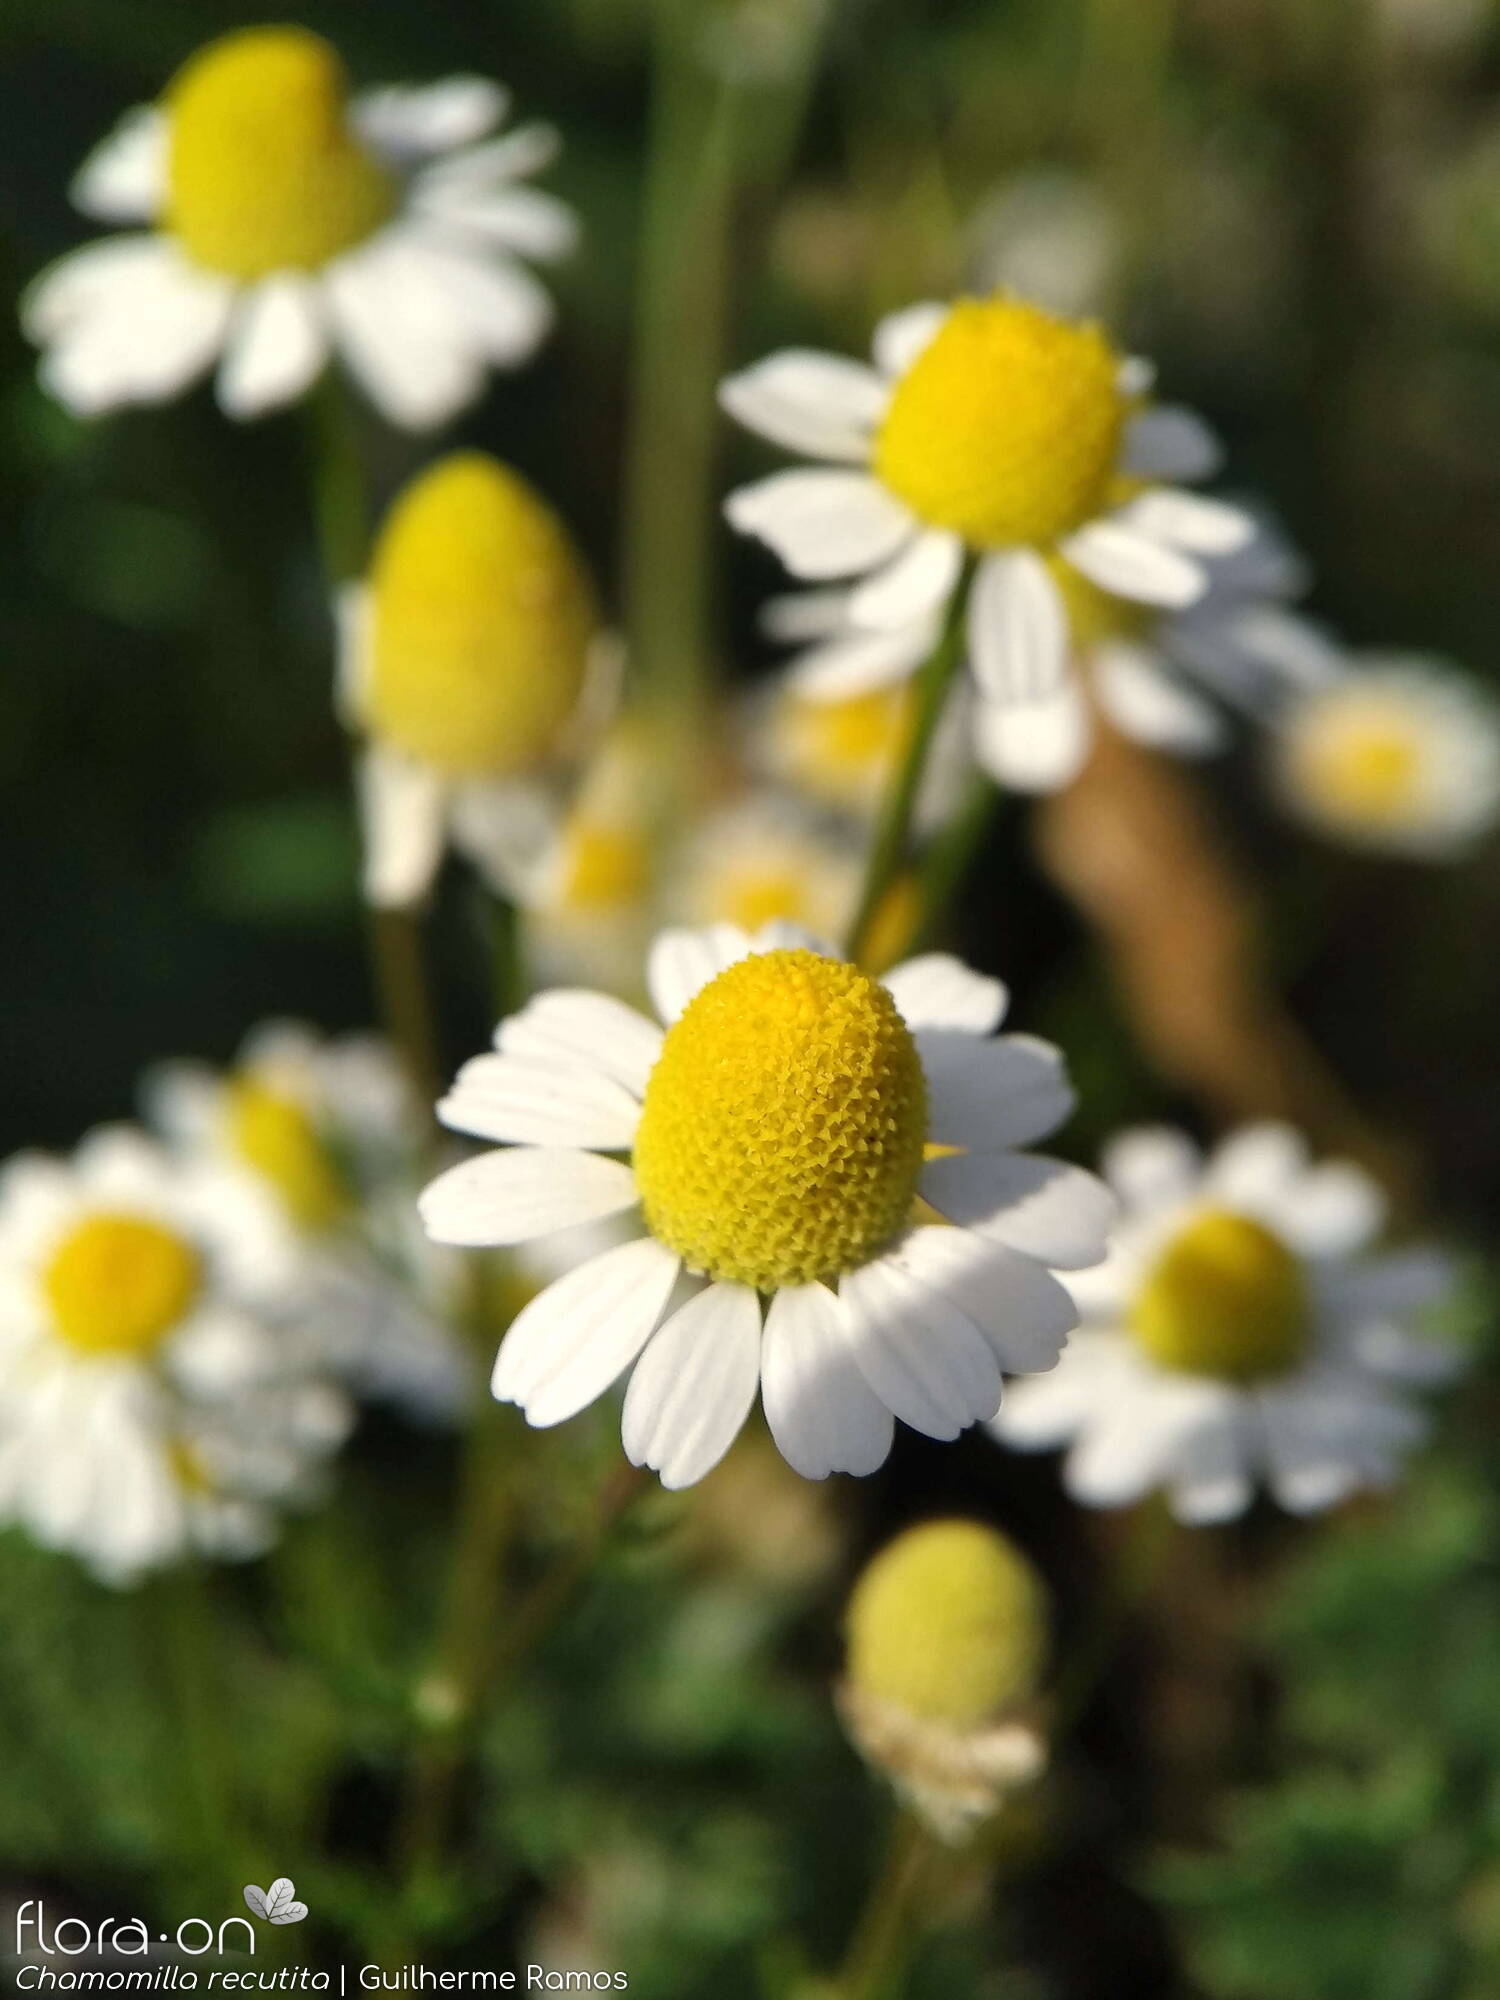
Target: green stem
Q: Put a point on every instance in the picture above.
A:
(184, 1605)
(679, 348)
(340, 500)
(342, 515)
(946, 865)
(886, 1927)
(474, 1660)
(399, 967)
(888, 849)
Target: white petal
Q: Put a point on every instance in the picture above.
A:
(500, 308)
(402, 809)
(693, 1387)
(923, 1357)
(503, 1198)
(433, 118)
(1170, 442)
(986, 1095)
(914, 585)
(276, 349)
(125, 176)
(800, 615)
(821, 404)
(1018, 629)
(1035, 746)
(574, 1339)
(782, 934)
(137, 327)
(1152, 1167)
(1134, 1444)
(901, 336)
(1151, 707)
(1044, 1208)
(1336, 1209)
(570, 1026)
(822, 1413)
(1401, 1281)
(520, 1101)
(682, 962)
(938, 990)
(1188, 521)
(1130, 564)
(860, 662)
(1136, 375)
(352, 631)
(1022, 1310)
(525, 221)
(415, 355)
(508, 828)
(822, 524)
(1258, 1164)
(524, 150)
(1043, 1411)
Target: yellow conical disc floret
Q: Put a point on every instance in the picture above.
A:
(1225, 1297)
(273, 1134)
(481, 621)
(782, 1131)
(949, 1624)
(1006, 428)
(264, 171)
(118, 1283)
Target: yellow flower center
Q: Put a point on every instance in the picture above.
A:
(117, 1284)
(264, 172)
(750, 897)
(274, 1134)
(839, 750)
(1006, 428)
(482, 617)
(1363, 768)
(1225, 1297)
(604, 867)
(781, 1135)
(949, 1622)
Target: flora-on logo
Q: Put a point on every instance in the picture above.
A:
(278, 1904)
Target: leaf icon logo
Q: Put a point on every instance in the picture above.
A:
(278, 1904)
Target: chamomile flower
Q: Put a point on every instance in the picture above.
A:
(470, 655)
(1241, 1329)
(762, 858)
(587, 886)
(826, 1201)
(987, 431)
(150, 1404)
(947, 1644)
(839, 751)
(328, 1131)
(273, 223)
(1392, 752)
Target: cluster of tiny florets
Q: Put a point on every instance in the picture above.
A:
(784, 1123)
(1006, 428)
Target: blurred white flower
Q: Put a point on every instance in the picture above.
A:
(1391, 751)
(765, 856)
(1242, 1328)
(841, 752)
(151, 1403)
(472, 662)
(273, 223)
(778, 1133)
(987, 431)
(329, 1132)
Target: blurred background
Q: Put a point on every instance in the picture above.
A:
(1294, 206)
